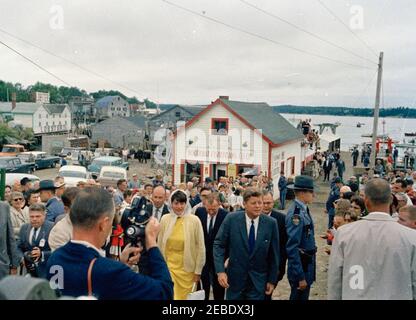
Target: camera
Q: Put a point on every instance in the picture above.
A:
(30, 264)
(134, 221)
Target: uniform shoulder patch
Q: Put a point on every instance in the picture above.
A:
(296, 219)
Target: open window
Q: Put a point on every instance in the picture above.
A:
(219, 126)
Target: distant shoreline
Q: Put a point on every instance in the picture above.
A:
(400, 112)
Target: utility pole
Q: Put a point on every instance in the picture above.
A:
(376, 114)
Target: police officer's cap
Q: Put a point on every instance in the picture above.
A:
(302, 183)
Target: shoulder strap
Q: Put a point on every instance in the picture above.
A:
(89, 277)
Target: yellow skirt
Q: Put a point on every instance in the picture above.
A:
(182, 280)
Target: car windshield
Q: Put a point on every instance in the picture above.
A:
(24, 157)
(3, 162)
(113, 175)
(8, 149)
(73, 174)
(101, 163)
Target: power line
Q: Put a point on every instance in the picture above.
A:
(365, 90)
(34, 63)
(347, 27)
(262, 37)
(305, 31)
(69, 61)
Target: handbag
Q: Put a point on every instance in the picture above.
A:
(196, 294)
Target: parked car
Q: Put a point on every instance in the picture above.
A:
(12, 177)
(41, 159)
(110, 175)
(73, 174)
(14, 164)
(11, 150)
(72, 153)
(98, 163)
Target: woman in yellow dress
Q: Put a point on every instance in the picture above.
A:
(181, 241)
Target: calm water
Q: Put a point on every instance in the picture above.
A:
(350, 134)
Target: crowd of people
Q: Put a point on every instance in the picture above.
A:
(224, 237)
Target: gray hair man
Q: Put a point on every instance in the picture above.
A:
(373, 258)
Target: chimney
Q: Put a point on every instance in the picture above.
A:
(224, 97)
(13, 100)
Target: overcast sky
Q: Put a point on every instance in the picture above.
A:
(171, 56)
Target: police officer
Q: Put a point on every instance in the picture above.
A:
(300, 247)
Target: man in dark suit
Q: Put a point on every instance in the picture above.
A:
(280, 218)
(327, 166)
(9, 254)
(251, 241)
(159, 207)
(33, 241)
(211, 217)
(83, 269)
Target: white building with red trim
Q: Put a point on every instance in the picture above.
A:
(231, 137)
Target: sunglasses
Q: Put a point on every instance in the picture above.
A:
(18, 199)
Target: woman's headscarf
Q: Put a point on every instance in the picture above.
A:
(188, 208)
(174, 216)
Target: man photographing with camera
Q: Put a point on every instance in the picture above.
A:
(85, 270)
(33, 241)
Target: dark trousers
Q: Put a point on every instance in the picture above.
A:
(299, 295)
(283, 198)
(209, 278)
(326, 176)
(331, 214)
(248, 293)
(354, 161)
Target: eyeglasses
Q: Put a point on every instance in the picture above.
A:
(18, 199)
(356, 207)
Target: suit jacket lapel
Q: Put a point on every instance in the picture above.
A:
(204, 224)
(28, 235)
(260, 233)
(243, 230)
(217, 222)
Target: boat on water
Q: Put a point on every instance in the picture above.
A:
(410, 134)
(360, 124)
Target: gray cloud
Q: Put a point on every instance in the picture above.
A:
(169, 55)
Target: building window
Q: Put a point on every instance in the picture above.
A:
(219, 126)
(124, 109)
(112, 108)
(177, 114)
(40, 115)
(40, 124)
(65, 123)
(53, 116)
(59, 115)
(118, 109)
(47, 116)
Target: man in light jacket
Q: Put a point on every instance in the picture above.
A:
(9, 255)
(374, 258)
